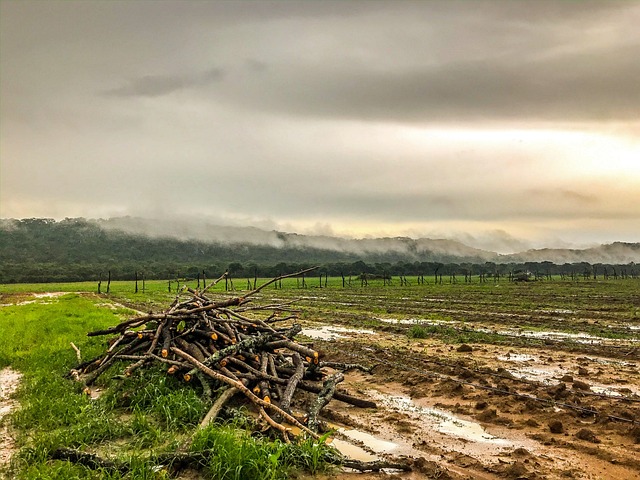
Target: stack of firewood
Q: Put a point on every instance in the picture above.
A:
(250, 349)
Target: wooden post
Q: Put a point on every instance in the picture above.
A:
(255, 277)
(204, 280)
(143, 283)
(136, 281)
(109, 282)
(99, 282)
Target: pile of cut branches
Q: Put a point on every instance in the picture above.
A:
(232, 343)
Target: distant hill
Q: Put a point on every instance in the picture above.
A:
(614, 253)
(373, 249)
(422, 249)
(80, 249)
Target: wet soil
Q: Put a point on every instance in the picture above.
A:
(491, 411)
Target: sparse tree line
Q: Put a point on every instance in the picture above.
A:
(357, 273)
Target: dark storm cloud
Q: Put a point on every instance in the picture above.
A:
(577, 89)
(378, 61)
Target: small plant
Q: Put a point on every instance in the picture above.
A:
(311, 455)
(418, 331)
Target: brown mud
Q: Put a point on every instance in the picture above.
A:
(490, 411)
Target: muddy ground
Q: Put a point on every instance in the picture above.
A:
(544, 384)
(481, 411)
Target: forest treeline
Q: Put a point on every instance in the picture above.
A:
(45, 250)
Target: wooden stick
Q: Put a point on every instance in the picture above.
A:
(324, 397)
(292, 383)
(217, 406)
(301, 272)
(285, 431)
(248, 393)
(78, 354)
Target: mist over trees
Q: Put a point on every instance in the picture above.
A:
(76, 249)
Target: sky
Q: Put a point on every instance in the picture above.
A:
(504, 124)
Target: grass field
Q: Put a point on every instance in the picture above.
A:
(151, 414)
(142, 417)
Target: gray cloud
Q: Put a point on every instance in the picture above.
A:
(378, 116)
(158, 85)
(579, 87)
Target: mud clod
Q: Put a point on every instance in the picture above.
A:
(521, 452)
(487, 415)
(579, 385)
(516, 470)
(430, 469)
(464, 348)
(587, 435)
(556, 426)
(557, 390)
(481, 405)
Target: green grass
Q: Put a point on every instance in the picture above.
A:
(237, 455)
(135, 418)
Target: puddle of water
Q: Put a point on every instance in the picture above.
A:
(414, 321)
(611, 361)
(440, 420)
(516, 357)
(38, 297)
(604, 390)
(328, 332)
(353, 451)
(49, 294)
(375, 444)
(557, 310)
(550, 376)
(544, 375)
(554, 335)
